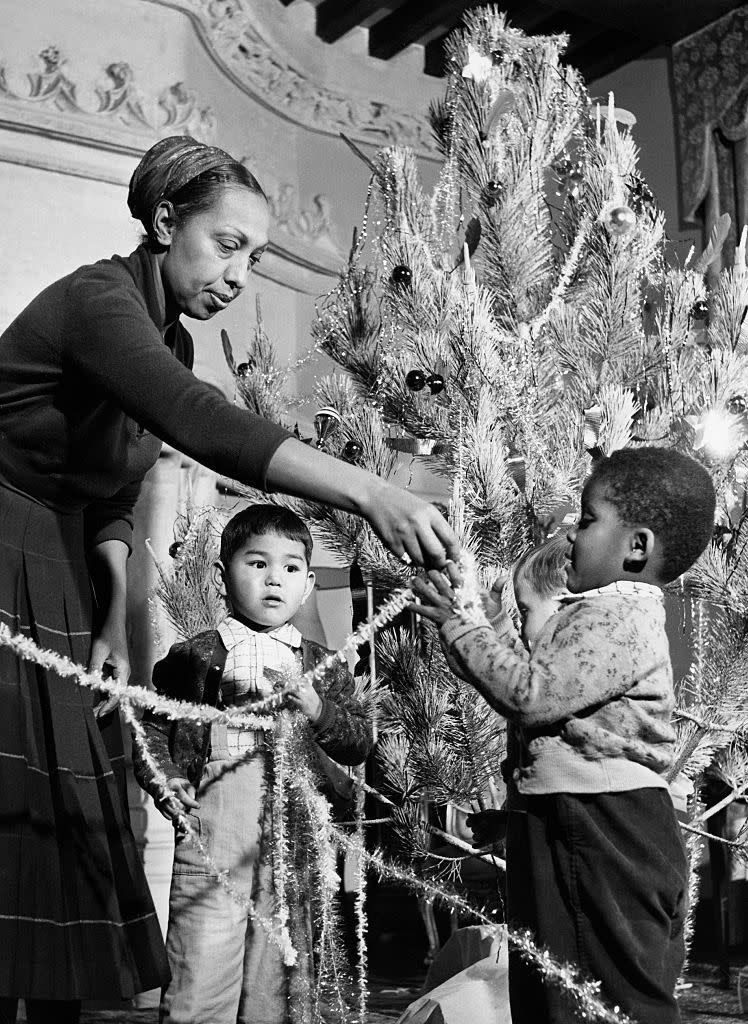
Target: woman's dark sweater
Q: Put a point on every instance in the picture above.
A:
(91, 384)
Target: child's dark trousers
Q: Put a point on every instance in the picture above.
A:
(601, 880)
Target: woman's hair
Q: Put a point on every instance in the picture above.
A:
(544, 567)
(186, 173)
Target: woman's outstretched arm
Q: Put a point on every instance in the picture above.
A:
(404, 523)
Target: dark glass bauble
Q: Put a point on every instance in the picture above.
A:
(415, 380)
(402, 276)
(351, 451)
(737, 405)
(174, 548)
(243, 370)
(436, 383)
(700, 310)
(493, 191)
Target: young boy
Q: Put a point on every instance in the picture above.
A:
(606, 872)
(224, 970)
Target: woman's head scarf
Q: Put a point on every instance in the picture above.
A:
(166, 168)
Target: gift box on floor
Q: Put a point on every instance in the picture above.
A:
(467, 982)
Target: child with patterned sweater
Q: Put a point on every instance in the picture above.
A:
(224, 969)
(606, 873)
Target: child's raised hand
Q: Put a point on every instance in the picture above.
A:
(491, 599)
(301, 695)
(436, 593)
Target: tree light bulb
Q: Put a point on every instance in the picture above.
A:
(719, 434)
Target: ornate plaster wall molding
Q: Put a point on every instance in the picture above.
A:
(115, 114)
(232, 32)
(310, 220)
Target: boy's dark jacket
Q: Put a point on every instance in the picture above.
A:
(192, 671)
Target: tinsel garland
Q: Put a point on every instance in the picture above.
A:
(257, 717)
(583, 994)
(363, 633)
(467, 602)
(276, 930)
(316, 872)
(280, 852)
(175, 710)
(360, 903)
(570, 266)
(693, 847)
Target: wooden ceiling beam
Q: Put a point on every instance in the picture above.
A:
(336, 17)
(579, 30)
(528, 15)
(433, 56)
(418, 21)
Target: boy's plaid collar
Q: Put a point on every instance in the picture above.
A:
(233, 632)
(626, 588)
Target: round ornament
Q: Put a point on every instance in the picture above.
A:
(700, 310)
(244, 369)
(415, 380)
(351, 451)
(402, 276)
(497, 56)
(619, 220)
(174, 548)
(493, 192)
(435, 383)
(737, 405)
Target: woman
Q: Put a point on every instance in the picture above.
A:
(94, 374)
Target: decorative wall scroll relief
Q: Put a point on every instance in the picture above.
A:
(312, 222)
(232, 32)
(50, 99)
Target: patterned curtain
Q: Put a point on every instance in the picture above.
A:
(710, 79)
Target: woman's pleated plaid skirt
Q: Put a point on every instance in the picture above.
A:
(76, 916)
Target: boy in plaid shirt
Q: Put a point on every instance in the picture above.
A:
(225, 970)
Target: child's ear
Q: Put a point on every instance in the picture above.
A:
(218, 577)
(310, 581)
(641, 546)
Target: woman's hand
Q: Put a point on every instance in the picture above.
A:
(409, 526)
(436, 594)
(302, 696)
(404, 523)
(180, 798)
(109, 656)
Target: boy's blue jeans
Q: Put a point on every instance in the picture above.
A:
(224, 970)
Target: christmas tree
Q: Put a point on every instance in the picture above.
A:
(508, 327)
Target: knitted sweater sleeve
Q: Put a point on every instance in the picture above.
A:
(112, 518)
(585, 656)
(116, 345)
